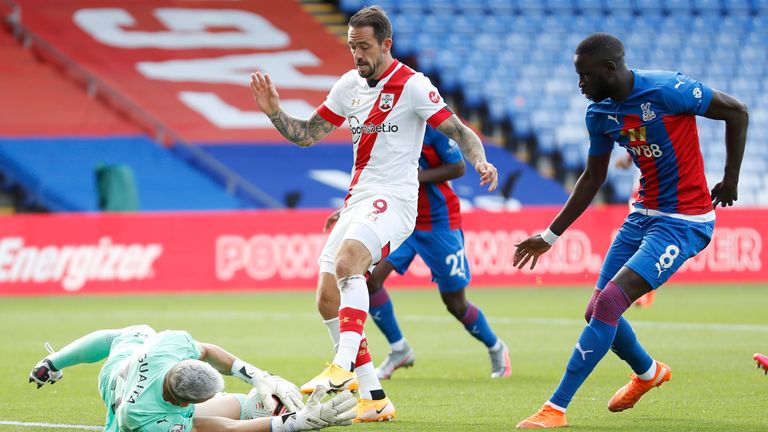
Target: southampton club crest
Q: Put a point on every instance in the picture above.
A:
(386, 101)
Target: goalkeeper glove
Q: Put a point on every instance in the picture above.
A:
(337, 411)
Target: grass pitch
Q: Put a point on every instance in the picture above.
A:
(706, 334)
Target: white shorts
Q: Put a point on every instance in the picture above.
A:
(379, 222)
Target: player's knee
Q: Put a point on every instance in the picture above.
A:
(374, 285)
(456, 307)
(328, 299)
(591, 305)
(611, 304)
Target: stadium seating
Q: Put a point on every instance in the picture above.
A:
(319, 178)
(512, 61)
(59, 174)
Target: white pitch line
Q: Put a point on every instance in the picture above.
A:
(50, 425)
(723, 327)
(557, 322)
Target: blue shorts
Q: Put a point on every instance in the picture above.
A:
(654, 247)
(442, 251)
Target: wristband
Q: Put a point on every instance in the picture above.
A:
(246, 372)
(549, 237)
(284, 423)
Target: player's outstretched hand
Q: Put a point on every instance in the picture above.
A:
(336, 411)
(762, 361)
(331, 220)
(724, 193)
(265, 93)
(43, 373)
(489, 175)
(530, 248)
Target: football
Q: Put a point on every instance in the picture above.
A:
(255, 406)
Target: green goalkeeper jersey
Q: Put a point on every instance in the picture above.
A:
(136, 370)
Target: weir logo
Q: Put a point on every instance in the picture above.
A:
(369, 128)
(74, 265)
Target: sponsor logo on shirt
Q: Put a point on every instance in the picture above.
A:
(359, 129)
(434, 97)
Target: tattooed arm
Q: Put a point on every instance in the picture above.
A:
(301, 132)
(472, 148)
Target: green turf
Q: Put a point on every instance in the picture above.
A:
(715, 386)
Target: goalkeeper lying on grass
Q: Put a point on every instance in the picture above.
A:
(168, 382)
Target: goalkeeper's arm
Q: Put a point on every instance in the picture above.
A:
(265, 383)
(337, 411)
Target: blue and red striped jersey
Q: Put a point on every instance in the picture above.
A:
(439, 206)
(656, 124)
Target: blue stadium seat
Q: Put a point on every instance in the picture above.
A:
(707, 7)
(559, 7)
(737, 7)
(501, 7)
(59, 173)
(349, 7)
(443, 7)
(412, 7)
(591, 7)
(620, 7)
(678, 7)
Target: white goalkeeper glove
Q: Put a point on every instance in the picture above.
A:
(337, 411)
(44, 372)
(267, 385)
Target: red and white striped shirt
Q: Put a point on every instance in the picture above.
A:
(387, 121)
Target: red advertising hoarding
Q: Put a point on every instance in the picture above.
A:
(267, 250)
(188, 63)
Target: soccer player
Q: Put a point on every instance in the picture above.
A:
(652, 115)
(168, 382)
(439, 240)
(387, 105)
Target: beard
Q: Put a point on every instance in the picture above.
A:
(369, 67)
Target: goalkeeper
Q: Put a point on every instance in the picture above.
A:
(168, 382)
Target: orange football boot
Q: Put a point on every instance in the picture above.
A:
(627, 396)
(546, 417)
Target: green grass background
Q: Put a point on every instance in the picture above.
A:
(707, 334)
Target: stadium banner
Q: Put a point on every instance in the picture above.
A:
(188, 63)
(274, 250)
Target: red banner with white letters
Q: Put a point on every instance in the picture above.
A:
(266, 250)
(188, 63)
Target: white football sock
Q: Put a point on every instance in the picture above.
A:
(649, 374)
(557, 407)
(354, 295)
(399, 345)
(366, 376)
(333, 331)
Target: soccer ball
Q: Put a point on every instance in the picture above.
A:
(254, 406)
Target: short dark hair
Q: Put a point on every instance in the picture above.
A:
(373, 16)
(603, 45)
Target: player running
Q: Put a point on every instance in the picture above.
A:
(387, 105)
(439, 240)
(652, 115)
(168, 382)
